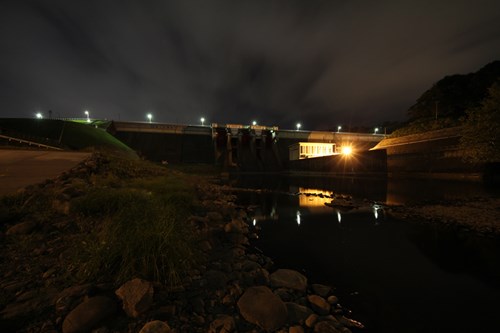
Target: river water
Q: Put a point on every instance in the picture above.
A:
(394, 275)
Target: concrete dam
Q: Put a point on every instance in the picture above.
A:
(232, 146)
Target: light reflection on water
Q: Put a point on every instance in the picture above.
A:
(396, 276)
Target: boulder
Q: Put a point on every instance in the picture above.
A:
(321, 290)
(223, 324)
(22, 228)
(88, 315)
(137, 296)
(155, 326)
(258, 305)
(326, 327)
(297, 313)
(287, 278)
(296, 329)
(318, 304)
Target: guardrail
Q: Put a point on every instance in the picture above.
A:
(31, 143)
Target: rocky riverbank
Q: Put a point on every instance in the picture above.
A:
(480, 215)
(234, 288)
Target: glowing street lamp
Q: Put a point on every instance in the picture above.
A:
(39, 115)
(375, 131)
(88, 116)
(150, 116)
(298, 126)
(254, 123)
(338, 129)
(346, 150)
(202, 121)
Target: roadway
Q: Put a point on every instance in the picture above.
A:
(20, 168)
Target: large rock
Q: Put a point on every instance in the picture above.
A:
(22, 228)
(287, 278)
(297, 313)
(321, 290)
(258, 305)
(319, 304)
(326, 327)
(155, 326)
(137, 296)
(88, 315)
(222, 324)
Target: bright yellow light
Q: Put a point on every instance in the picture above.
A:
(346, 150)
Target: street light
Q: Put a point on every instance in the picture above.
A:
(298, 126)
(39, 115)
(88, 116)
(338, 129)
(254, 123)
(376, 130)
(150, 116)
(202, 121)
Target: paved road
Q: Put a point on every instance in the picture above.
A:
(20, 168)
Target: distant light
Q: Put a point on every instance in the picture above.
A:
(298, 217)
(150, 116)
(202, 121)
(88, 115)
(254, 123)
(376, 130)
(338, 129)
(298, 126)
(347, 150)
(254, 222)
(39, 115)
(339, 216)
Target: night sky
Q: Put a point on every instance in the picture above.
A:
(321, 63)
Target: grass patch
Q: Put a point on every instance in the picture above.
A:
(141, 229)
(70, 134)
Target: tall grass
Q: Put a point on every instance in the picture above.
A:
(141, 231)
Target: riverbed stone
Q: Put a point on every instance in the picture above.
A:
(155, 326)
(321, 289)
(222, 324)
(137, 296)
(258, 305)
(88, 315)
(332, 299)
(311, 320)
(288, 278)
(325, 327)
(296, 329)
(297, 313)
(319, 304)
(22, 228)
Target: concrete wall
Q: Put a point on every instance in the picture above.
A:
(173, 148)
(366, 162)
(432, 154)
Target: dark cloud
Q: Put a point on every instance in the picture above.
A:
(319, 62)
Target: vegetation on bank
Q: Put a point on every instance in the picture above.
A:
(60, 133)
(126, 218)
(470, 101)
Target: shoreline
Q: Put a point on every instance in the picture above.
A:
(225, 293)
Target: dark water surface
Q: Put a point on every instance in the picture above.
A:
(395, 276)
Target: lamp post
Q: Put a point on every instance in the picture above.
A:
(150, 116)
(338, 129)
(88, 115)
(202, 121)
(298, 126)
(254, 123)
(39, 115)
(375, 131)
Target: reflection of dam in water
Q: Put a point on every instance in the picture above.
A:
(386, 270)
